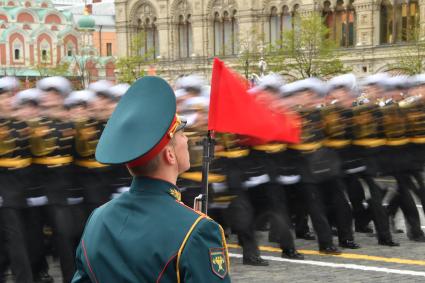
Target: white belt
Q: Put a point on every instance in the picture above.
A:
(115, 195)
(74, 201)
(37, 201)
(255, 181)
(219, 205)
(288, 180)
(123, 189)
(219, 187)
(355, 170)
(119, 192)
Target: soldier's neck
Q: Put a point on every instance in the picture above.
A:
(165, 175)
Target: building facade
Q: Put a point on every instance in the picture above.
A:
(184, 35)
(35, 38)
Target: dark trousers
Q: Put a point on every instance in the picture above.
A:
(96, 184)
(280, 228)
(3, 254)
(15, 234)
(375, 211)
(36, 219)
(67, 220)
(406, 203)
(248, 206)
(68, 224)
(328, 199)
(298, 210)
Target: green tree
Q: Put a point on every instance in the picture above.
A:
(411, 58)
(306, 50)
(250, 53)
(132, 67)
(61, 69)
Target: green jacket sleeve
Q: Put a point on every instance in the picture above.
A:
(204, 256)
(80, 275)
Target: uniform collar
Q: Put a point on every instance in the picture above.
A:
(154, 186)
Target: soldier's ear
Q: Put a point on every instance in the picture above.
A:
(169, 155)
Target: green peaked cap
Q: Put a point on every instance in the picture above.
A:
(139, 122)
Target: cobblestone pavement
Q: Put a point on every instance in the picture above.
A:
(341, 269)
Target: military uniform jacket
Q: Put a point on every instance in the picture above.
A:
(148, 235)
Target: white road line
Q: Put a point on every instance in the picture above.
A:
(341, 265)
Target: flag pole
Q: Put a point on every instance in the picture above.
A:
(201, 202)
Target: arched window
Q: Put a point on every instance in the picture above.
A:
(275, 26)
(399, 21)
(18, 51)
(340, 22)
(147, 29)
(17, 56)
(45, 51)
(185, 37)
(183, 29)
(225, 33)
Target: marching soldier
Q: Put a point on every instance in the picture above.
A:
(273, 192)
(177, 243)
(51, 145)
(27, 110)
(319, 167)
(396, 160)
(15, 160)
(97, 177)
(414, 105)
(338, 125)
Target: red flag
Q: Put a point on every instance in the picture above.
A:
(234, 110)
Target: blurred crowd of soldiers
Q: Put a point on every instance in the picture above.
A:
(352, 132)
(48, 173)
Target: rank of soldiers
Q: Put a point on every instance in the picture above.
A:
(352, 133)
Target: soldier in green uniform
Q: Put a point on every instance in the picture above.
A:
(147, 234)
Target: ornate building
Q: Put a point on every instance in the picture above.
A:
(186, 34)
(35, 37)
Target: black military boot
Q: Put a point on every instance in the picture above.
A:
(388, 243)
(43, 277)
(292, 254)
(331, 250)
(306, 236)
(349, 244)
(254, 260)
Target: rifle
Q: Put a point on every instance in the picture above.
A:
(201, 201)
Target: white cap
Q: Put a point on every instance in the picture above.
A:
(9, 84)
(273, 81)
(180, 92)
(60, 84)
(191, 81)
(31, 94)
(80, 96)
(313, 84)
(102, 86)
(196, 103)
(119, 90)
(417, 80)
(347, 81)
(396, 82)
(374, 79)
